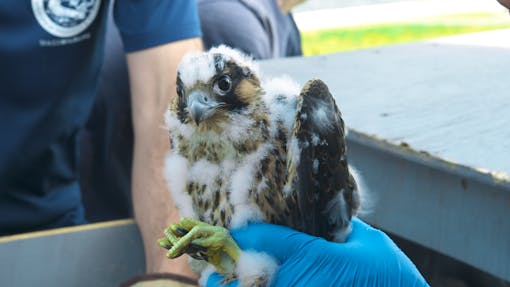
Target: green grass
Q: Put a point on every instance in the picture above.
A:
(359, 37)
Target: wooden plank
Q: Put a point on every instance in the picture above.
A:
(450, 101)
(103, 254)
(453, 210)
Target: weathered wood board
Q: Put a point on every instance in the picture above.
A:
(103, 254)
(452, 101)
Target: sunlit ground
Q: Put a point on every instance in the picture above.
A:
(358, 37)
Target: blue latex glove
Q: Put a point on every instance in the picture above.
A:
(368, 258)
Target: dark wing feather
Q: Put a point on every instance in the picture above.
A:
(325, 191)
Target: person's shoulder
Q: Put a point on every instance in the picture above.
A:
(232, 23)
(230, 9)
(145, 24)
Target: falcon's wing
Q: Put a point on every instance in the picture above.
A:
(323, 187)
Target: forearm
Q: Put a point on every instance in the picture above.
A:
(152, 74)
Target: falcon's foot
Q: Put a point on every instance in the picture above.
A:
(202, 241)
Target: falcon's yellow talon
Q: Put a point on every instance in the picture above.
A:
(172, 238)
(188, 223)
(219, 249)
(165, 243)
(173, 228)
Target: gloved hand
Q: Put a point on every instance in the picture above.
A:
(368, 258)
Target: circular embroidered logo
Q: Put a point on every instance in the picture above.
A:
(65, 18)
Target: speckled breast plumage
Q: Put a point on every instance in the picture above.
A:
(219, 166)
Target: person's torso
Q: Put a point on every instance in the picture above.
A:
(50, 55)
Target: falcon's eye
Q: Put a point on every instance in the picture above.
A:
(223, 85)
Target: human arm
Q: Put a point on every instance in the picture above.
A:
(152, 74)
(155, 34)
(368, 258)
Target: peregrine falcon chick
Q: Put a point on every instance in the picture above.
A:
(245, 149)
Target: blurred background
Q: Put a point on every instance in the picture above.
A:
(329, 26)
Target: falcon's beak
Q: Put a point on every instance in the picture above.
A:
(201, 106)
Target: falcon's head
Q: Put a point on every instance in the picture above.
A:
(215, 86)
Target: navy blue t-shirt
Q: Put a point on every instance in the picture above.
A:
(51, 52)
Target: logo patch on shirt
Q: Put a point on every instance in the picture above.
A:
(65, 18)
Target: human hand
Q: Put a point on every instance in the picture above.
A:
(368, 258)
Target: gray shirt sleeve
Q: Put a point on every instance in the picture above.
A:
(234, 24)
